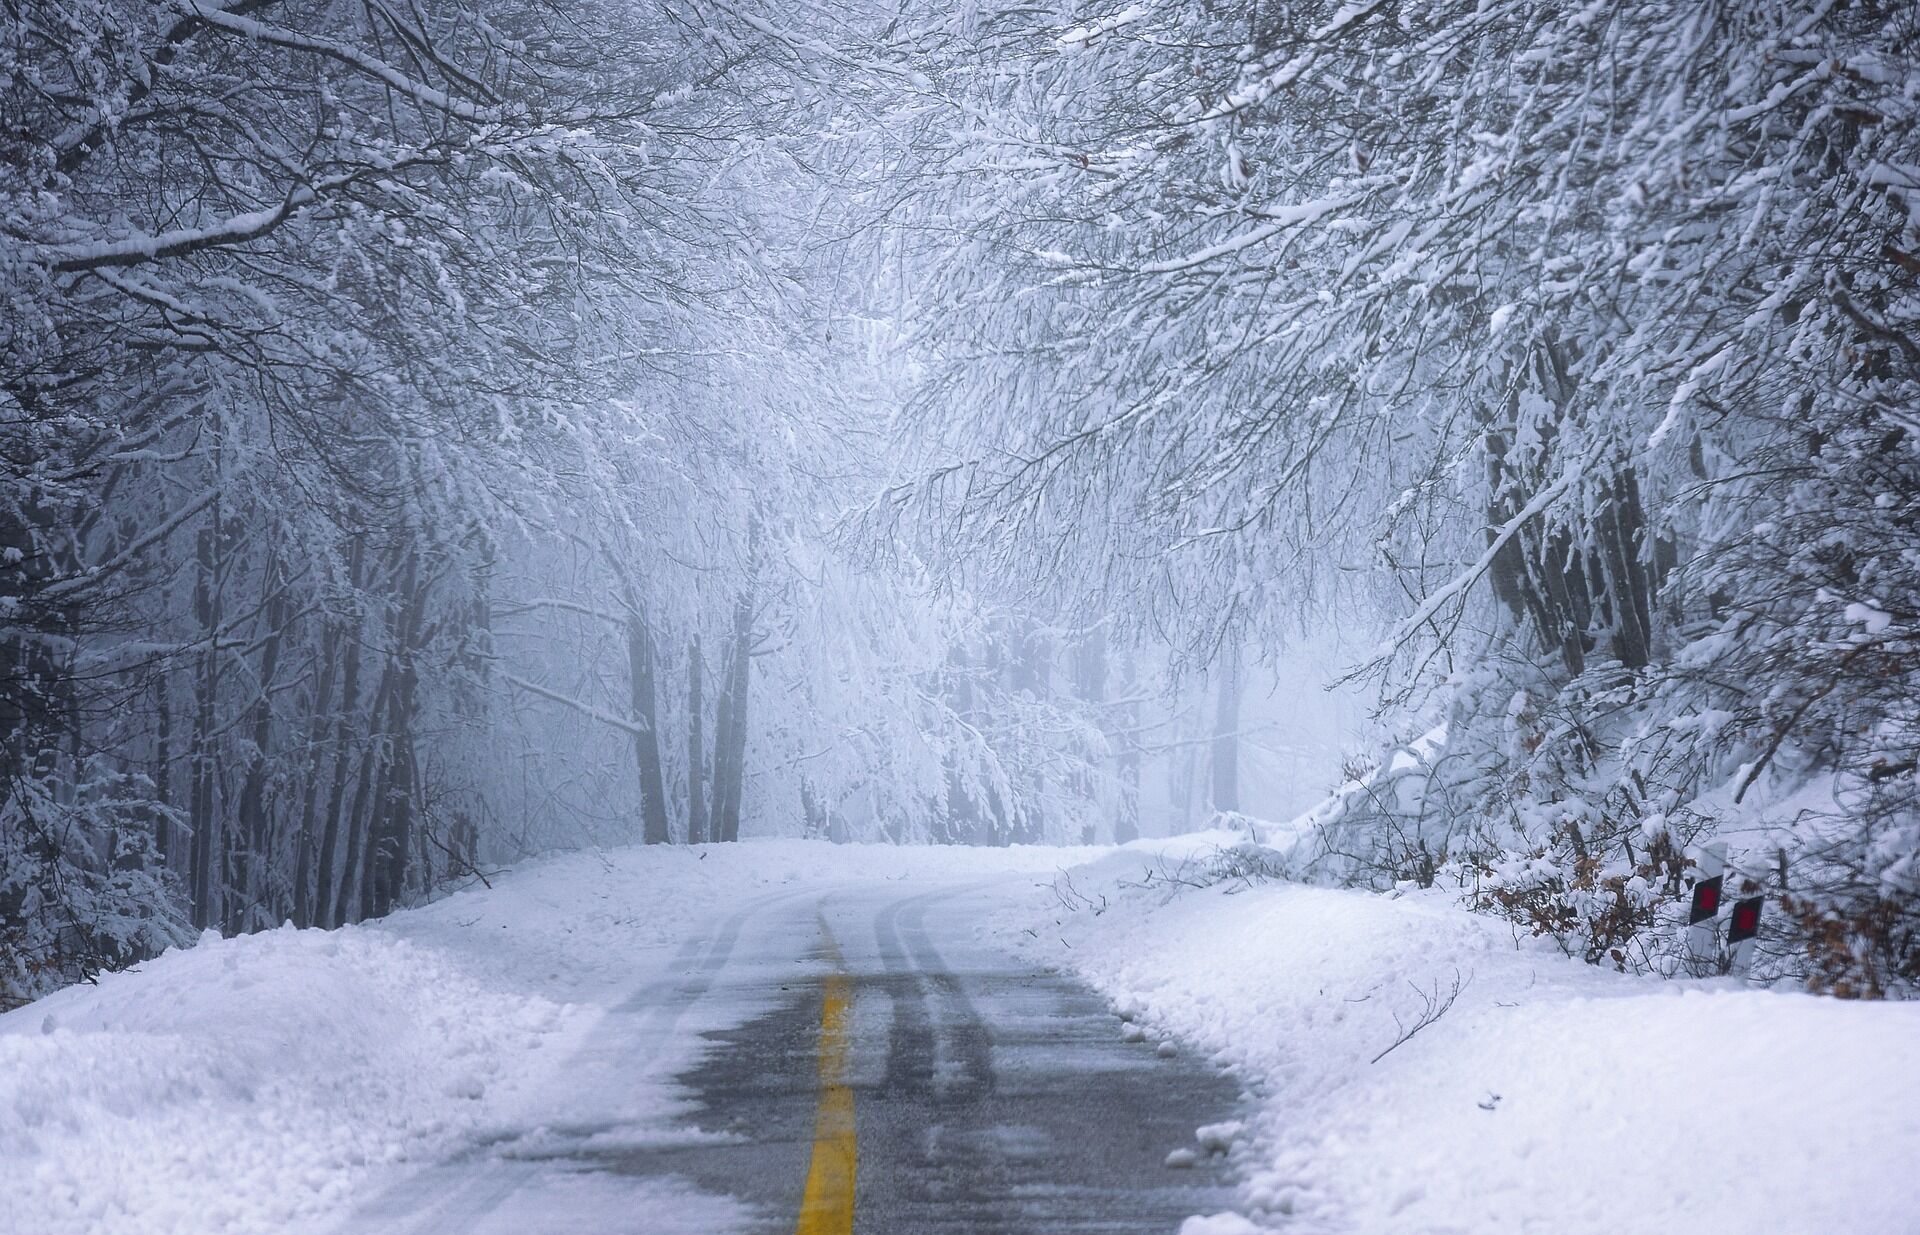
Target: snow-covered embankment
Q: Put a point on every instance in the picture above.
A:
(1550, 1095)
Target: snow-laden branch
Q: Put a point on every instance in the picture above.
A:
(1083, 35)
(134, 550)
(427, 96)
(141, 247)
(1258, 92)
(568, 701)
(1276, 222)
(1466, 579)
(86, 135)
(564, 605)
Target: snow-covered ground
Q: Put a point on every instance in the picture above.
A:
(271, 1085)
(1551, 1097)
(265, 1085)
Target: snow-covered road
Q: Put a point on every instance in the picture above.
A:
(798, 1037)
(620, 1042)
(985, 1096)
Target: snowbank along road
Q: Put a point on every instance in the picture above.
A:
(889, 1073)
(804, 1038)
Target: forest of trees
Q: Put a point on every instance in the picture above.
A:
(1575, 341)
(433, 433)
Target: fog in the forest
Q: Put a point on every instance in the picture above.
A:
(436, 435)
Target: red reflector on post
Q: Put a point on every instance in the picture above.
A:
(1746, 920)
(1706, 900)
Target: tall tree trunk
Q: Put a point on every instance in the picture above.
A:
(1126, 824)
(965, 823)
(162, 773)
(818, 823)
(1182, 784)
(729, 789)
(256, 857)
(349, 903)
(390, 829)
(1539, 574)
(326, 896)
(722, 727)
(36, 692)
(303, 873)
(1034, 668)
(1621, 531)
(696, 754)
(641, 671)
(1090, 671)
(353, 902)
(203, 771)
(1226, 735)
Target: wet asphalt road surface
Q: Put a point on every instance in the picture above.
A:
(987, 1098)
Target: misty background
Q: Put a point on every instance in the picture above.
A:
(437, 433)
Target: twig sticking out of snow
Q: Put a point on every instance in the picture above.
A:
(1434, 1005)
(1073, 899)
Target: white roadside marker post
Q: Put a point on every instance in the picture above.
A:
(1703, 935)
(1743, 933)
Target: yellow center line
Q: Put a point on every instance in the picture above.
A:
(826, 1208)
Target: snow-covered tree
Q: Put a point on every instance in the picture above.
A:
(1514, 319)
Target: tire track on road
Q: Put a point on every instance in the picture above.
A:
(918, 982)
(452, 1196)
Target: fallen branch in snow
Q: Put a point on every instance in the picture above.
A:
(1074, 899)
(1434, 1005)
(1243, 866)
(1159, 875)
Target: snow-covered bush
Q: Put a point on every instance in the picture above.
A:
(81, 889)
(1808, 664)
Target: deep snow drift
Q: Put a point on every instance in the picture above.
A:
(269, 1084)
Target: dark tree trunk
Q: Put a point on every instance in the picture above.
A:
(965, 824)
(1630, 581)
(328, 895)
(1032, 673)
(730, 771)
(1571, 585)
(36, 693)
(1226, 735)
(203, 771)
(1090, 672)
(1126, 825)
(354, 898)
(252, 821)
(722, 726)
(163, 765)
(1182, 784)
(390, 830)
(696, 753)
(1090, 666)
(1527, 574)
(303, 873)
(1538, 574)
(811, 810)
(641, 671)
